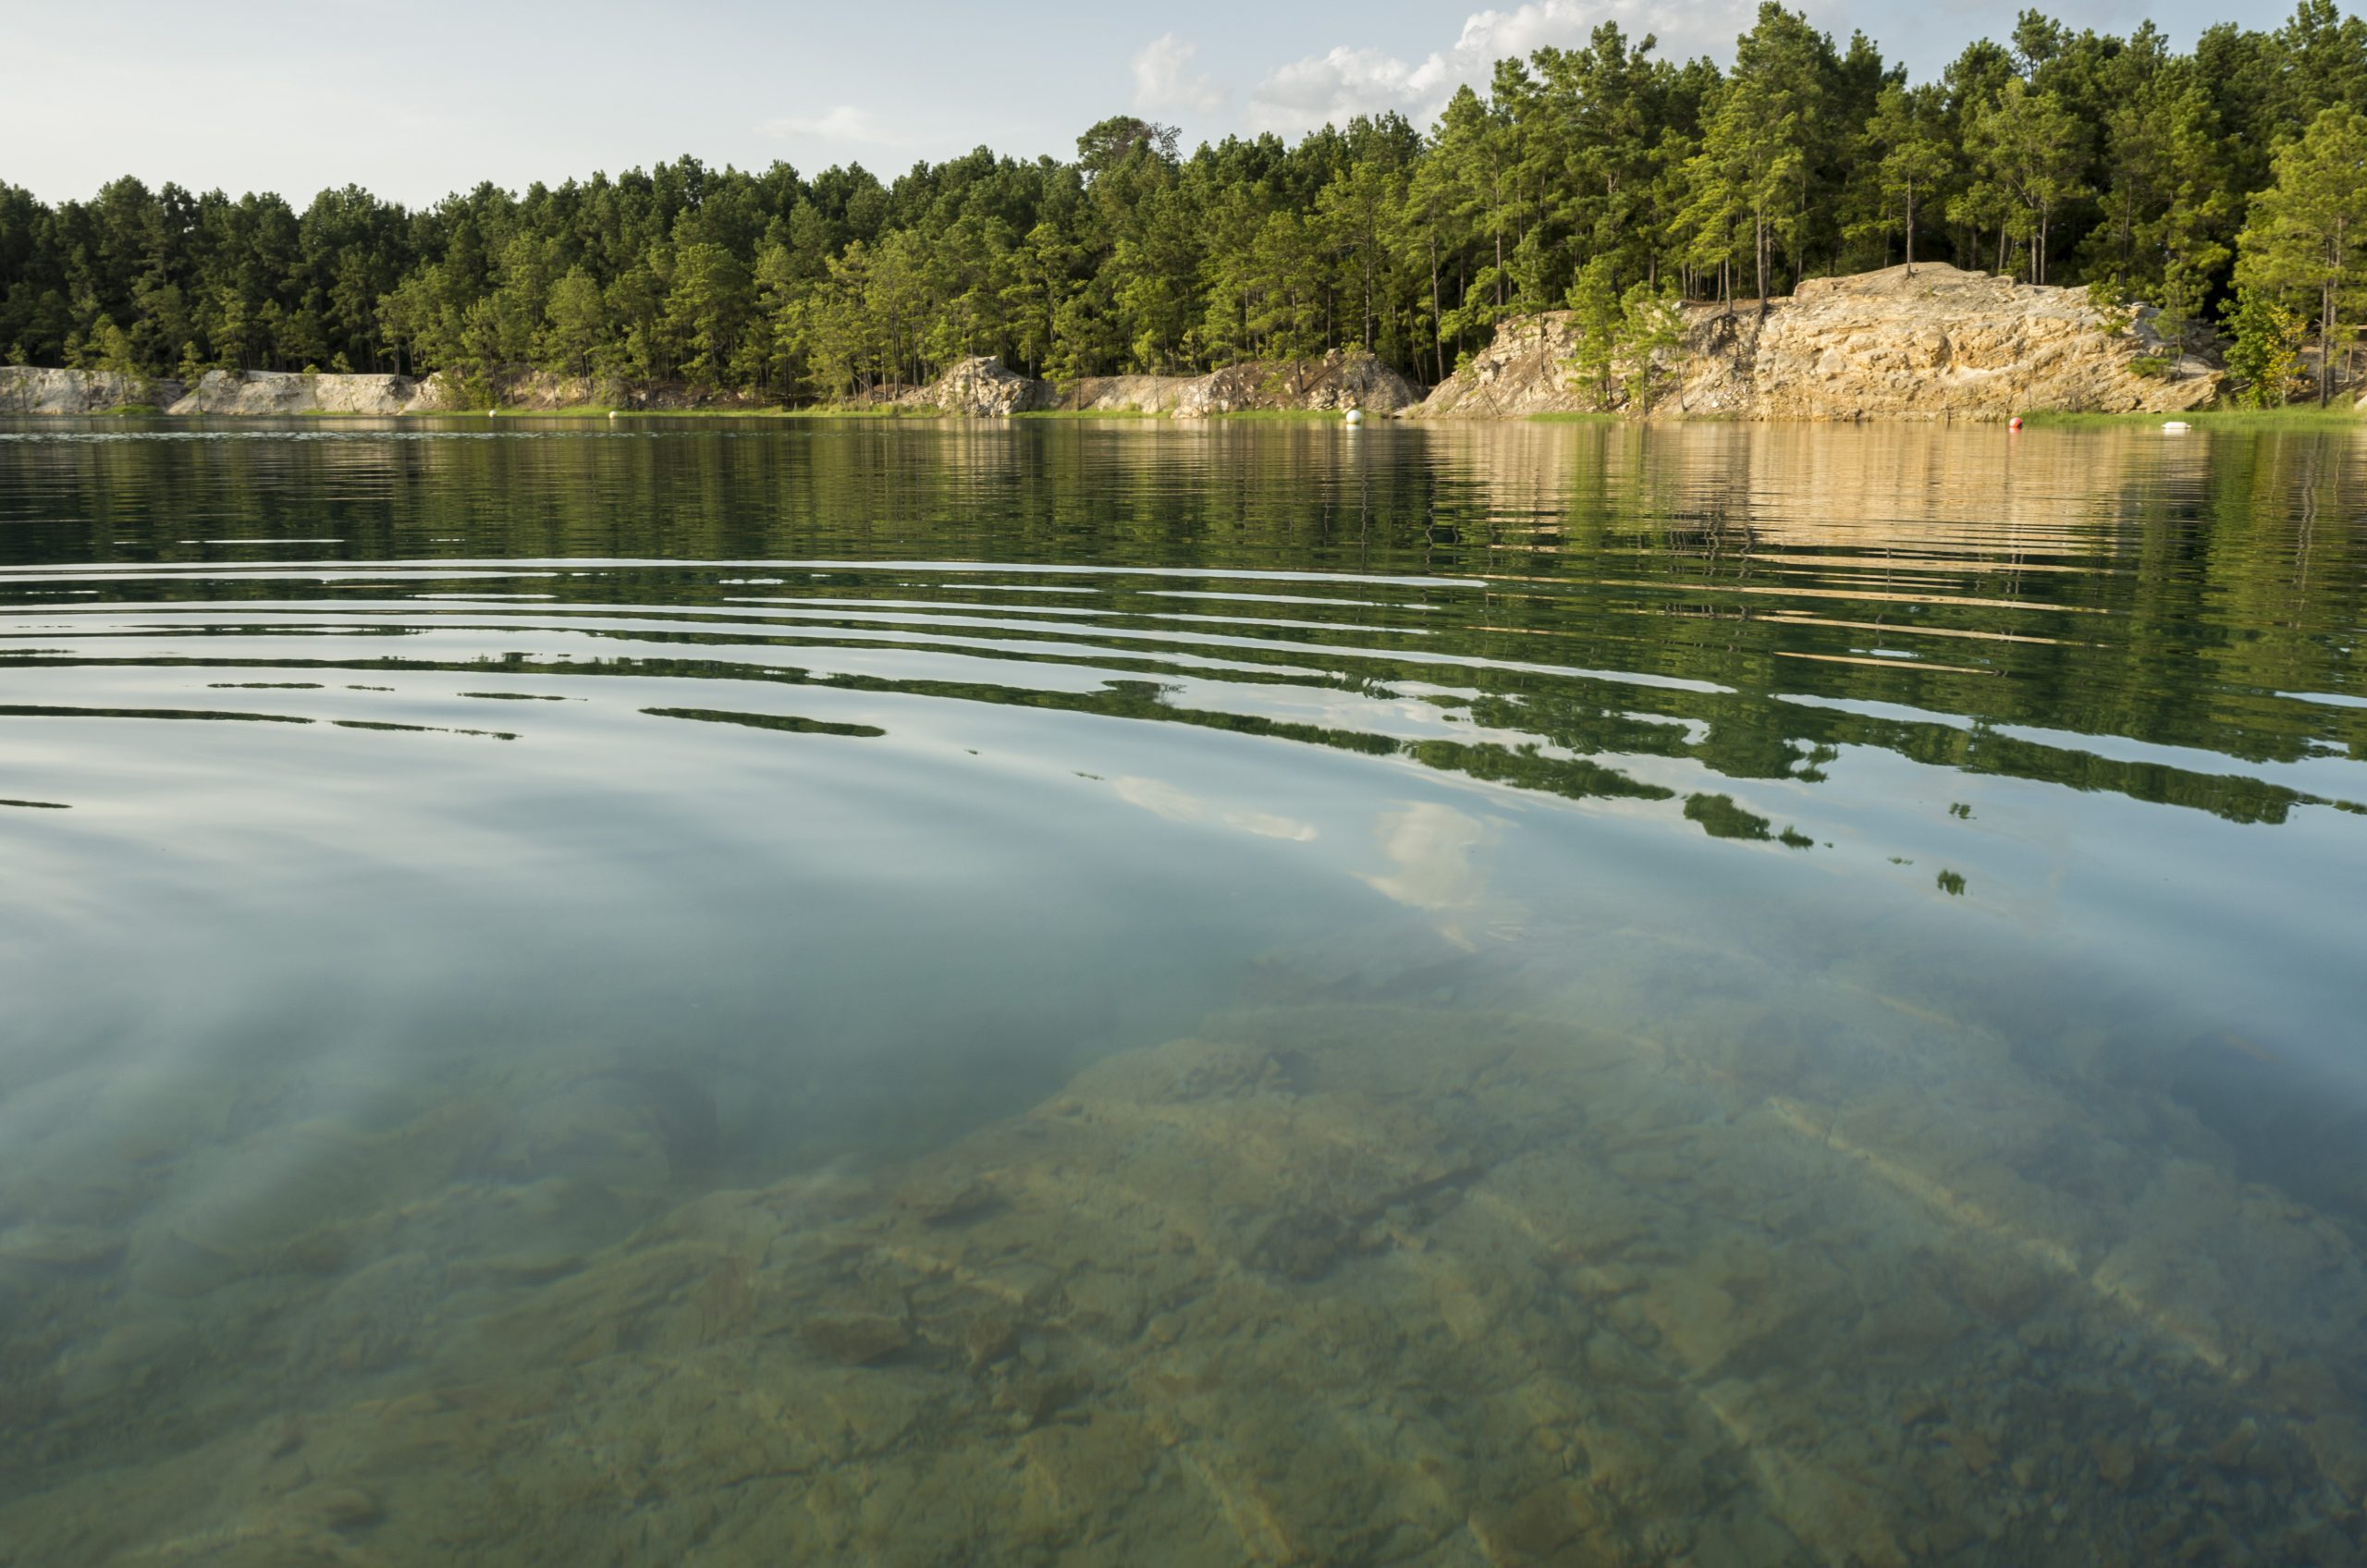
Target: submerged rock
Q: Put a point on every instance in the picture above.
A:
(1331, 1283)
(855, 1338)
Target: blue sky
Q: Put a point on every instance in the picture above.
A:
(416, 99)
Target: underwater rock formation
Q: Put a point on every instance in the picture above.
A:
(1333, 1282)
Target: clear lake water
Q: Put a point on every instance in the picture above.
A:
(1122, 992)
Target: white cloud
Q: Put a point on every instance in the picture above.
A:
(1346, 82)
(1164, 78)
(842, 122)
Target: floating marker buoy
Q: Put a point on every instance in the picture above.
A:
(2176, 424)
(1355, 416)
(2013, 424)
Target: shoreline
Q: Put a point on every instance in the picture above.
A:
(1936, 345)
(2339, 414)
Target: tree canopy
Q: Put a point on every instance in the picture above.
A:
(2057, 156)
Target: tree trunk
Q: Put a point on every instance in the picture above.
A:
(1438, 339)
(1759, 248)
(1369, 239)
(2326, 342)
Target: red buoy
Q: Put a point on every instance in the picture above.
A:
(2015, 423)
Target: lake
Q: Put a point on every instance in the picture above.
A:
(1075, 992)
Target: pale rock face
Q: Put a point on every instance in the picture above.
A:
(1143, 394)
(982, 389)
(1345, 378)
(291, 392)
(26, 389)
(1941, 344)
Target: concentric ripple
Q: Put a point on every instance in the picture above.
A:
(1727, 939)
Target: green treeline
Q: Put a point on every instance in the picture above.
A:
(2220, 184)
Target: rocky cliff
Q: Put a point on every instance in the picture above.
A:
(1941, 344)
(26, 389)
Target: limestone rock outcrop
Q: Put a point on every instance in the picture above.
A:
(28, 389)
(292, 392)
(982, 387)
(1142, 394)
(1941, 344)
(1345, 378)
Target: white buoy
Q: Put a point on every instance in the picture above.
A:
(1355, 416)
(2176, 424)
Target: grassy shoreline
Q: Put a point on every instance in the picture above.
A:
(2292, 417)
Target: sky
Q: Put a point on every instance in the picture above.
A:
(417, 99)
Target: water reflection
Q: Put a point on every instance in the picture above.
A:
(1730, 994)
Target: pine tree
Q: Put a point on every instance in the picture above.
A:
(2026, 147)
(1595, 324)
(1912, 161)
(2308, 231)
(2265, 350)
(1651, 323)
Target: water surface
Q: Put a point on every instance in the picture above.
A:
(1144, 993)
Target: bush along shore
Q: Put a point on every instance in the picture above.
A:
(1932, 342)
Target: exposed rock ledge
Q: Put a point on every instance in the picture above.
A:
(1942, 344)
(1345, 378)
(28, 389)
(264, 394)
(982, 389)
(290, 392)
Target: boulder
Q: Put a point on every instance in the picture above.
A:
(981, 387)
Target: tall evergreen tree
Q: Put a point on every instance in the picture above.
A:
(2308, 231)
